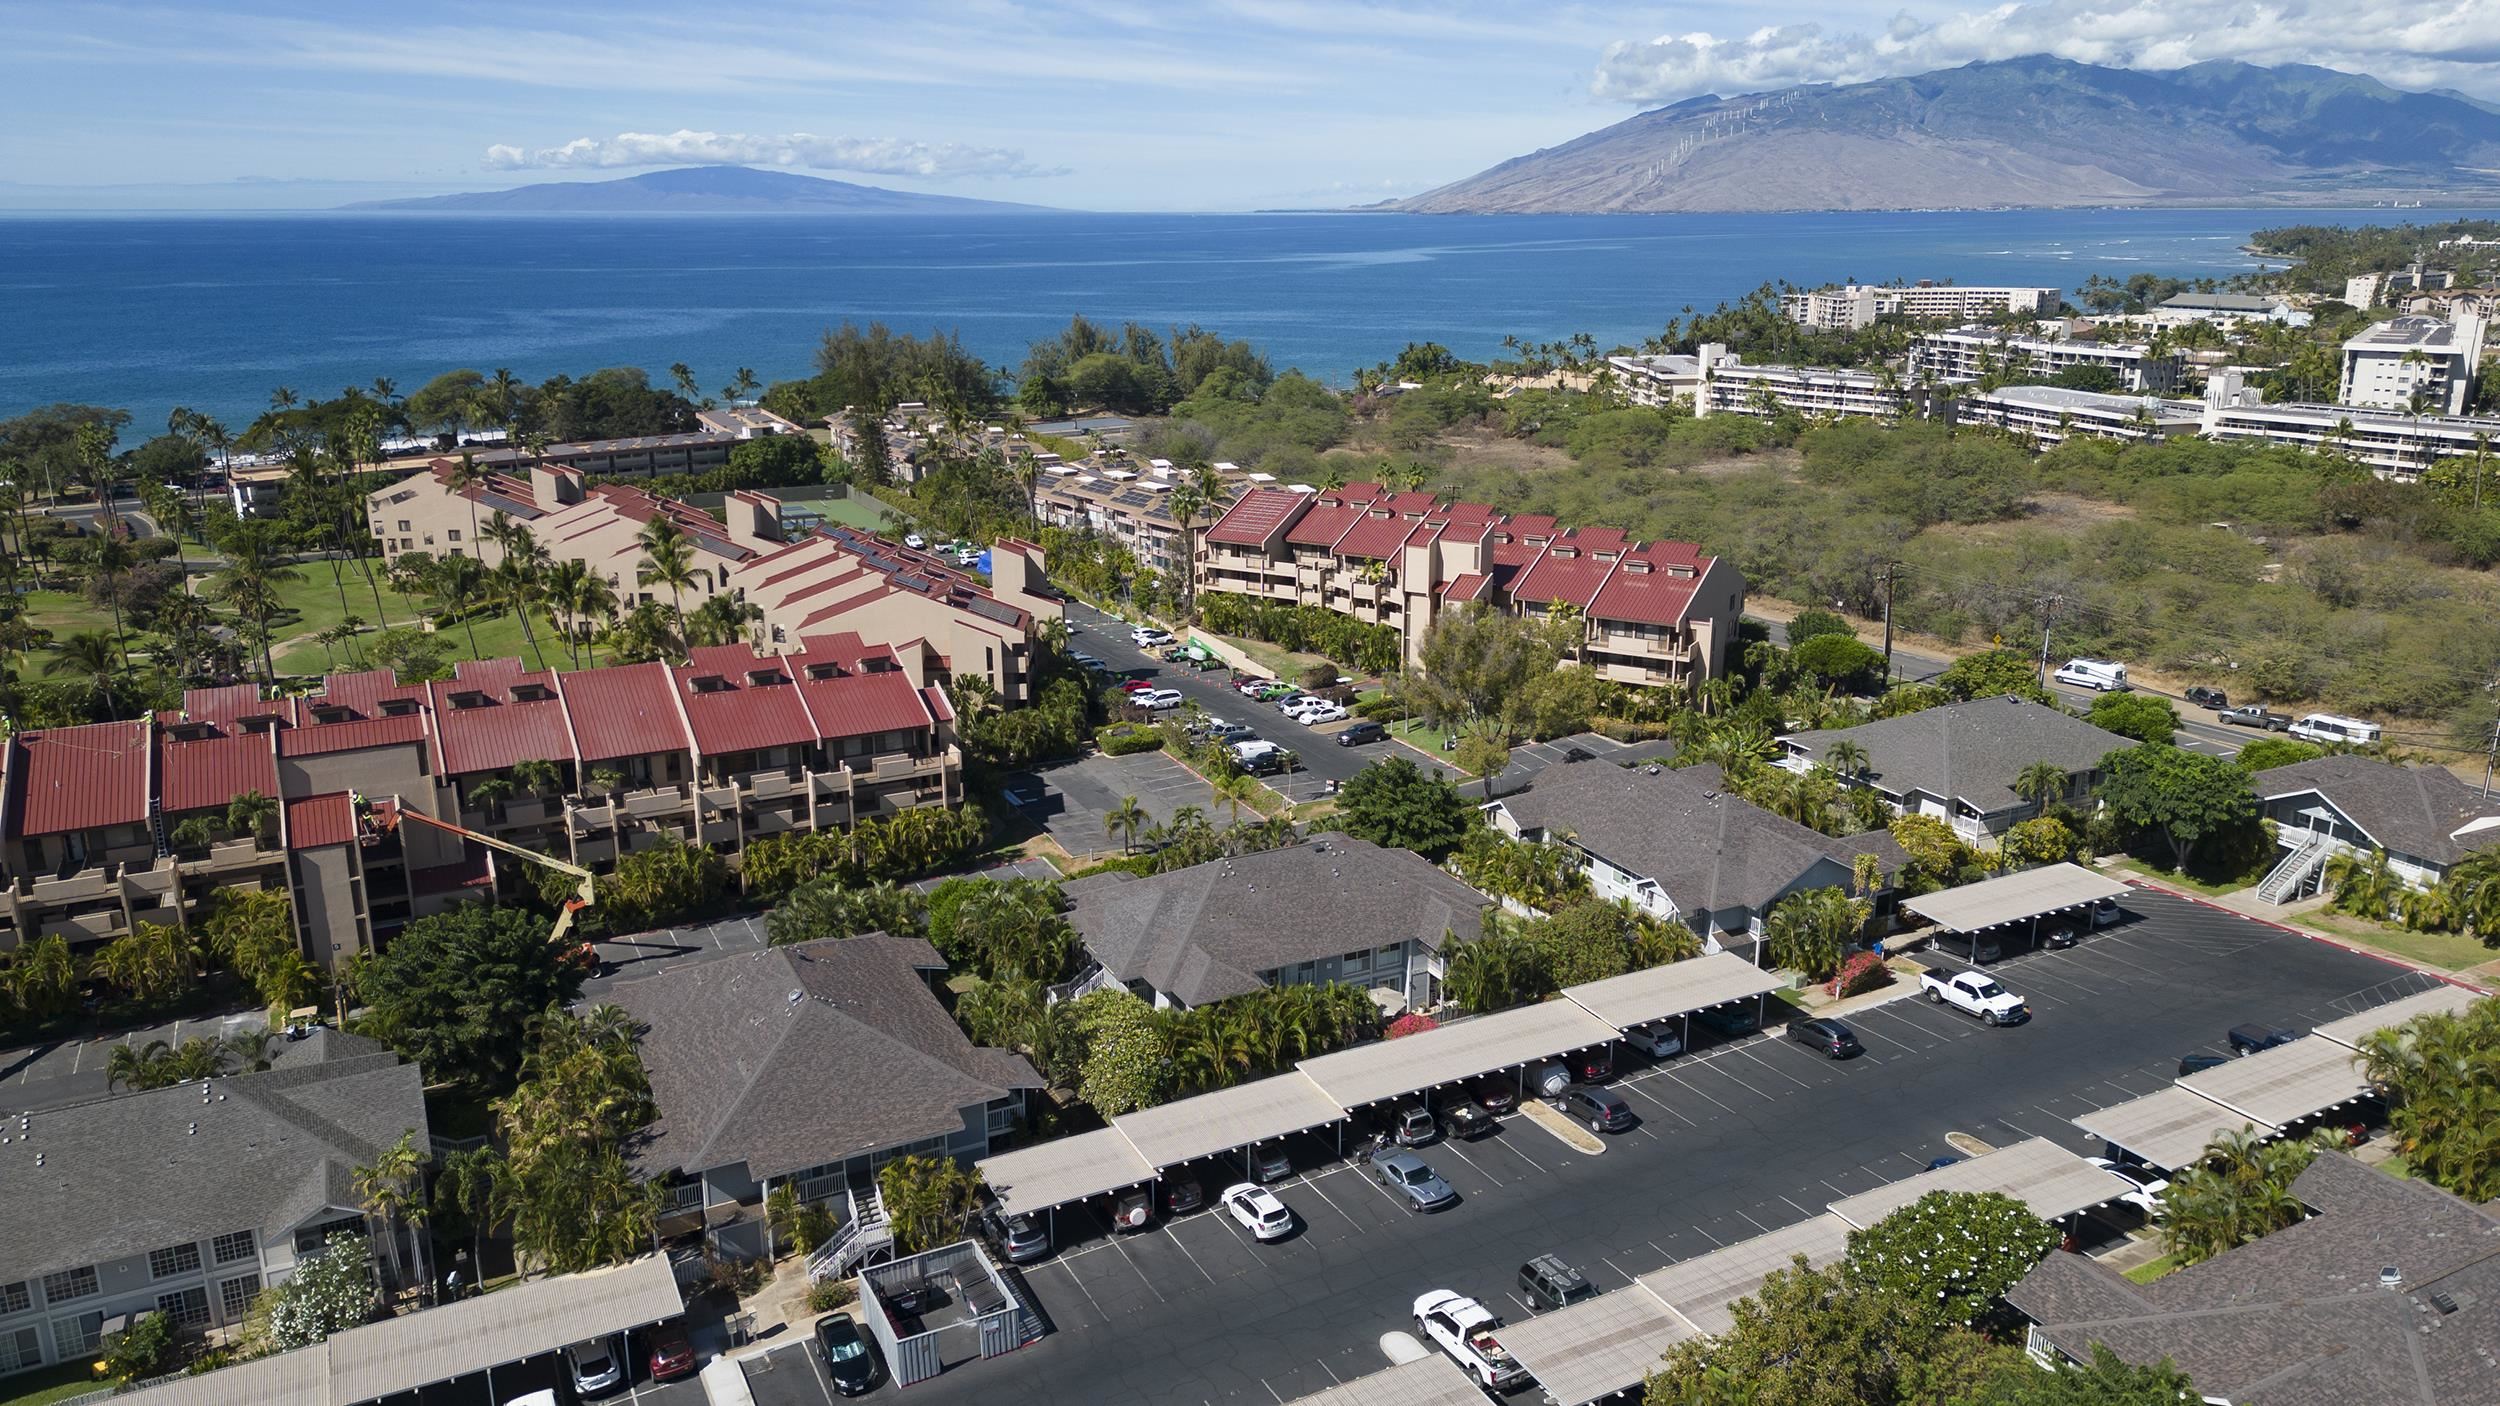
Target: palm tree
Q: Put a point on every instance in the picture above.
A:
(89, 657)
(1811, 931)
(521, 577)
(462, 477)
(723, 619)
(1846, 758)
(251, 580)
(1235, 790)
(112, 557)
(2041, 783)
(592, 598)
(392, 1191)
(668, 560)
(2364, 887)
(1125, 820)
(252, 814)
(563, 588)
(458, 582)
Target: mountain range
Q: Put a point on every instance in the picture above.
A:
(705, 190)
(2035, 131)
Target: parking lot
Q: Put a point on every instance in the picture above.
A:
(72, 1069)
(1071, 799)
(1735, 1138)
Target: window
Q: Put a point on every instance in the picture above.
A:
(451, 534)
(237, 1245)
(310, 1239)
(14, 1298)
(188, 1307)
(20, 1348)
(173, 1260)
(403, 524)
(234, 1297)
(74, 1335)
(65, 1285)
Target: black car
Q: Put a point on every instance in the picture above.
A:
(1499, 1093)
(1362, 733)
(1578, 754)
(2061, 935)
(1833, 1039)
(850, 1358)
(1733, 1020)
(1977, 950)
(2204, 697)
(1465, 1118)
(2198, 1064)
(1595, 1065)
(1602, 1109)
(2250, 715)
(2249, 1039)
(1549, 1283)
(1182, 1194)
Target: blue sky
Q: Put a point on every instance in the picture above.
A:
(1103, 104)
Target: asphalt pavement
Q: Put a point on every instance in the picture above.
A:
(1737, 1138)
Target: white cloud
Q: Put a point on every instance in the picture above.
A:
(881, 156)
(2408, 43)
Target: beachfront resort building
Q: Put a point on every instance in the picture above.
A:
(1984, 353)
(2050, 415)
(2418, 364)
(1850, 306)
(1657, 381)
(1729, 386)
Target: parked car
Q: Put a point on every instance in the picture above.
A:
(1938, 1164)
(1324, 713)
(1256, 1209)
(1268, 1162)
(672, 1352)
(2252, 1038)
(1549, 1079)
(1132, 1210)
(1136, 686)
(2250, 715)
(1595, 1065)
(1833, 1039)
(1655, 1041)
(1464, 1329)
(1362, 733)
(1979, 949)
(2105, 913)
(1251, 685)
(1182, 1194)
(1020, 1239)
(1497, 1092)
(597, 1364)
(1578, 754)
(1413, 1181)
(1549, 1283)
(915, 541)
(1730, 1020)
(1276, 692)
(1221, 731)
(1157, 700)
(2145, 1186)
(2062, 933)
(1413, 1125)
(2204, 697)
(1149, 637)
(1290, 703)
(850, 1358)
(2198, 1064)
(1604, 1110)
(1465, 1118)
(1974, 993)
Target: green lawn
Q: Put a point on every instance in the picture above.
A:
(866, 514)
(2151, 1270)
(498, 637)
(2160, 875)
(49, 1384)
(1278, 662)
(2447, 951)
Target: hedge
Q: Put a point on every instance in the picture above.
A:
(1124, 739)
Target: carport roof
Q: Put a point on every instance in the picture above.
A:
(1703, 1288)
(1593, 1349)
(2442, 999)
(2284, 1084)
(1190, 1128)
(2014, 897)
(1054, 1173)
(1369, 1073)
(1676, 988)
(2168, 1128)
(2050, 1180)
(438, 1345)
(1426, 1381)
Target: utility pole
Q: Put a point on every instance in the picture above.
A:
(1889, 568)
(2048, 616)
(2493, 754)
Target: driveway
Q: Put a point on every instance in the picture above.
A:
(1736, 1138)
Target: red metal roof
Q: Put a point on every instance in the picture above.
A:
(1375, 537)
(363, 694)
(504, 730)
(1362, 492)
(1516, 554)
(1526, 525)
(741, 715)
(935, 700)
(78, 778)
(1652, 598)
(1574, 578)
(1255, 516)
(321, 820)
(865, 704)
(320, 739)
(1464, 588)
(622, 711)
(209, 772)
(224, 705)
(1411, 501)
(1595, 539)
(1323, 525)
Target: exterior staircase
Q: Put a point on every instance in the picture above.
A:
(865, 1234)
(2283, 882)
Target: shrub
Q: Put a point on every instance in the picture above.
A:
(140, 1349)
(1383, 709)
(1411, 1023)
(827, 1295)
(1123, 739)
(1863, 972)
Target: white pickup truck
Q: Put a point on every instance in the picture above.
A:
(1976, 993)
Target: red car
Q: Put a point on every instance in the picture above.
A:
(1135, 686)
(671, 1355)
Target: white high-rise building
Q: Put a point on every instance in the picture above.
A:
(1850, 306)
(2414, 363)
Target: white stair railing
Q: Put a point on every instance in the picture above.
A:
(2282, 883)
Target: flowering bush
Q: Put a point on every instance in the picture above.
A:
(1412, 1023)
(1863, 972)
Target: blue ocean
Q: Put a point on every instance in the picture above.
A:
(212, 312)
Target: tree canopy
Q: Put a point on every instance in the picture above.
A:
(457, 992)
(1396, 803)
(2186, 797)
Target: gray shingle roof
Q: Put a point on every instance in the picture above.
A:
(797, 1056)
(1969, 751)
(2298, 1318)
(1204, 933)
(2415, 810)
(141, 1171)
(1706, 848)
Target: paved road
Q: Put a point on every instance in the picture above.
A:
(1736, 1139)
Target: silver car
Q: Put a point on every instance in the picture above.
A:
(598, 1365)
(1409, 1178)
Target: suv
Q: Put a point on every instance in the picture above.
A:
(1268, 1162)
(1412, 1125)
(1219, 730)
(1602, 1109)
(1361, 733)
(1133, 1210)
(1731, 1021)
(1833, 1039)
(2204, 697)
(2198, 1064)
(1182, 1193)
(1979, 950)
(1549, 1283)
(1020, 1239)
(2253, 1038)
(1156, 700)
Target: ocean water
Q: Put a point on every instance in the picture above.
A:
(212, 312)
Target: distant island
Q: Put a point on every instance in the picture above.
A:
(696, 190)
(2026, 132)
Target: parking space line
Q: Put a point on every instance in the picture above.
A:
(1070, 1271)
(1800, 1083)
(1193, 1259)
(1699, 1091)
(1669, 1107)
(1772, 1098)
(1332, 1205)
(1754, 1223)
(1800, 1209)
(1470, 1161)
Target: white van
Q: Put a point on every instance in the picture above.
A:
(2098, 675)
(1254, 755)
(2328, 727)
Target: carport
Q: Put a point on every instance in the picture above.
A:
(1228, 1120)
(2053, 1182)
(1674, 991)
(2442, 999)
(1598, 1347)
(402, 1354)
(1703, 1289)
(1039, 1179)
(2286, 1084)
(1512, 1039)
(1426, 1381)
(2023, 898)
(2169, 1128)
